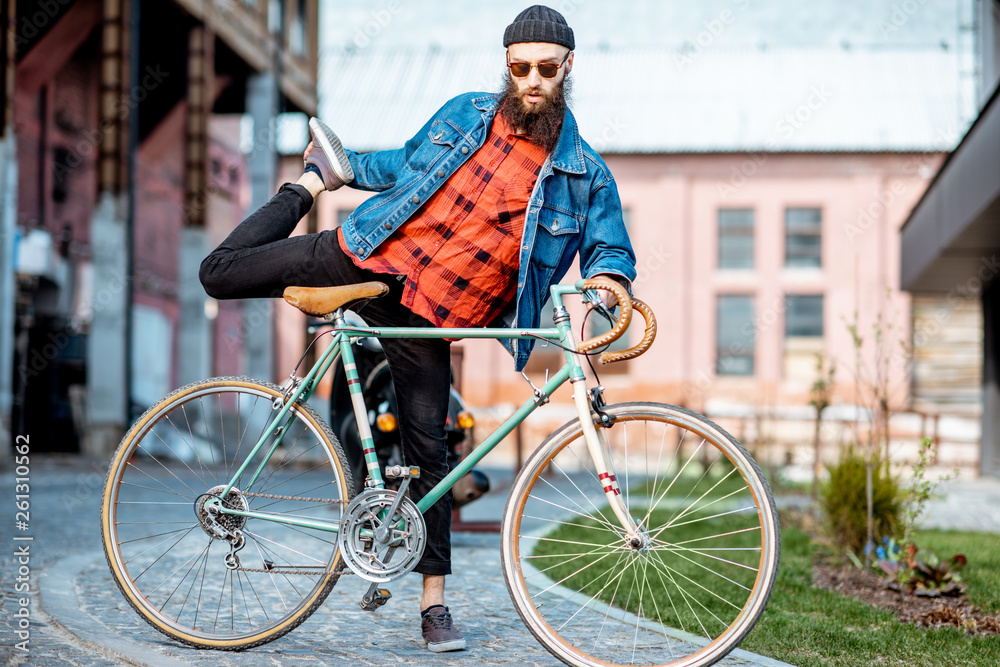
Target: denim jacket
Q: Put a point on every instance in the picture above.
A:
(574, 207)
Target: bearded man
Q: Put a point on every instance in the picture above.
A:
(476, 216)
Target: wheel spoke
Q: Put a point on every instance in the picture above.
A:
(168, 548)
(690, 582)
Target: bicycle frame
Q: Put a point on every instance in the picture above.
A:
(344, 336)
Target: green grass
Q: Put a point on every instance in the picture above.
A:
(982, 574)
(601, 573)
(693, 480)
(721, 480)
(808, 626)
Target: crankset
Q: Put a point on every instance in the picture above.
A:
(382, 533)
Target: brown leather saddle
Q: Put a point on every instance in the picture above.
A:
(321, 301)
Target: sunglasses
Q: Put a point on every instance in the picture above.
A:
(545, 70)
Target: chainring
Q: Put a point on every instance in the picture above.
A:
(399, 554)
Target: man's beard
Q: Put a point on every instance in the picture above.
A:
(541, 122)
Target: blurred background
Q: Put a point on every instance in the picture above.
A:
(812, 190)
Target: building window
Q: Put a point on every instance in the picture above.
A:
(803, 237)
(803, 336)
(804, 315)
(734, 335)
(735, 238)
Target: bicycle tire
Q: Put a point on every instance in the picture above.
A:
(170, 568)
(704, 573)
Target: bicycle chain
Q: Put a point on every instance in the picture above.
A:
(310, 500)
(338, 575)
(329, 501)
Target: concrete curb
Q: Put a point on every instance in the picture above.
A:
(58, 600)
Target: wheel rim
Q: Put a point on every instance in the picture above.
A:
(684, 593)
(159, 538)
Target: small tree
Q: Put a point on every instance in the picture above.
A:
(820, 395)
(919, 490)
(872, 390)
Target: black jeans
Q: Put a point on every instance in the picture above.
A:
(258, 260)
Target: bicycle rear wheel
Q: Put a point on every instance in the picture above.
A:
(168, 553)
(707, 559)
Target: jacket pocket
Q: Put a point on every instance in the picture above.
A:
(554, 236)
(441, 139)
(557, 222)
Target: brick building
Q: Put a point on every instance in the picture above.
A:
(124, 160)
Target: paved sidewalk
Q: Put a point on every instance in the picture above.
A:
(80, 618)
(965, 504)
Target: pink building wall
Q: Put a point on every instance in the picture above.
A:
(673, 203)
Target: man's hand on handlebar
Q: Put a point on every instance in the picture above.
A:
(608, 299)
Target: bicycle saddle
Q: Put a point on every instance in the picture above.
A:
(321, 301)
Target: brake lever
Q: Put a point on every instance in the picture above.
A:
(595, 302)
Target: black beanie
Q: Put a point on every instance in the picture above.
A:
(539, 23)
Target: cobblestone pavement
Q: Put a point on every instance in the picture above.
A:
(78, 617)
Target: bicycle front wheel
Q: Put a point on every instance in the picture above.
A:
(217, 580)
(694, 583)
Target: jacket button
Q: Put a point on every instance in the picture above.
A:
(388, 226)
(465, 150)
(441, 173)
(416, 200)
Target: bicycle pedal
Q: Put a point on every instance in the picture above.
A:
(402, 472)
(375, 598)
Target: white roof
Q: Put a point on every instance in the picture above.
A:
(660, 99)
(359, 24)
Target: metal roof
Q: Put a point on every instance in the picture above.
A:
(659, 99)
(725, 23)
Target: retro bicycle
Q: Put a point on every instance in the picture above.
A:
(636, 534)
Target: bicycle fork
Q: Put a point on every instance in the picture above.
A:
(600, 455)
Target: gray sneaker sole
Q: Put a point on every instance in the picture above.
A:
(327, 141)
(441, 647)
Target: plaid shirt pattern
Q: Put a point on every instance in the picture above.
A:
(460, 251)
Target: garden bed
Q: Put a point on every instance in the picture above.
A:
(929, 612)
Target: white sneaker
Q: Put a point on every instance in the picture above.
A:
(330, 159)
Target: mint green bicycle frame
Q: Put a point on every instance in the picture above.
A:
(340, 348)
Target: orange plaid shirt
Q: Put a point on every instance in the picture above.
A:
(460, 251)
